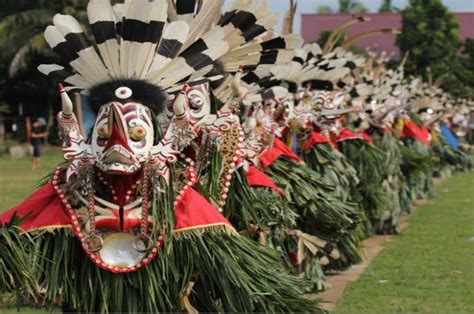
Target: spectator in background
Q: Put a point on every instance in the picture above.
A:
(38, 136)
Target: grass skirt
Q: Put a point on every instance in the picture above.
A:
(320, 212)
(231, 274)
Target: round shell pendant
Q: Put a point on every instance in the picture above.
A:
(119, 250)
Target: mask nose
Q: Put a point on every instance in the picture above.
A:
(117, 130)
(115, 121)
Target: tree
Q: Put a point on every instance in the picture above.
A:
(324, 9)
(351, 6)
(460, 82)
(387, 7)
(345, 6)
(23, 48)
(430, 34)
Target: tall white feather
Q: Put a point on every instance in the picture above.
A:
(101, 10)
(53, 37)
(129, 50)
(146, 54)
(203, 21)
(177, 30)
(67, 24)
(76, 80)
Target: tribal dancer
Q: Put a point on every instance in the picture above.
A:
(119, 226)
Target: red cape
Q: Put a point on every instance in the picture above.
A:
(41, 210)
(411, 130)
(279, 149)
(366, 137)
(256, 177)
(346, 135)
(316, 138)
(44, 210)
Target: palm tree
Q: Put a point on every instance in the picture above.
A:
(21, 27)
(23, 48)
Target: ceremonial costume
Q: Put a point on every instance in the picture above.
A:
(120, 227)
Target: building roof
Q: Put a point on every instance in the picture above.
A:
(313, 24)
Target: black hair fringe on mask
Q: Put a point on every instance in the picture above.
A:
(143, 92)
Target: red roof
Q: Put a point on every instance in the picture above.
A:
(313, 24)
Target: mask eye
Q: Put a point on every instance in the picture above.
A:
(137, 133)
(103, 131)
(195, 102)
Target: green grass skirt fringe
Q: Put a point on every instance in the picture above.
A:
(233, 274)
(450, 159)
(369, 161)
(320, 212)
(418, 167)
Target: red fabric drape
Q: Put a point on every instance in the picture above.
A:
(194, 211)
(346, 135)
(316, 138)
(366, 137)
(256, 177)
(411, 130)
(279, 149)
(42, 209)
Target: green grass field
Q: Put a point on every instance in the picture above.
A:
(430, 267)
(18, 180)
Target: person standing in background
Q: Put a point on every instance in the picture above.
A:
(38, 136)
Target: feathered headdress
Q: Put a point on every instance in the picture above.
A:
(161, 42)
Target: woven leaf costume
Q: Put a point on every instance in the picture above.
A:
(296, 116)
(320, 213)
(119, 227)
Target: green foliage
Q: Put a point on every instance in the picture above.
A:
(324, 36)
(387, 7)
(321, 213)
(351, 6)
(461, 82)
(23, 48)
(324, 9)
(233, 274)
(430, 34)
(369, 161)
(18, 29)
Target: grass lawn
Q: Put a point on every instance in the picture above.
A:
(18, 180)
(430, 267)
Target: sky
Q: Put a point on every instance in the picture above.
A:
(309, 6)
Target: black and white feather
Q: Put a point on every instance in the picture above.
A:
(162, 42)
